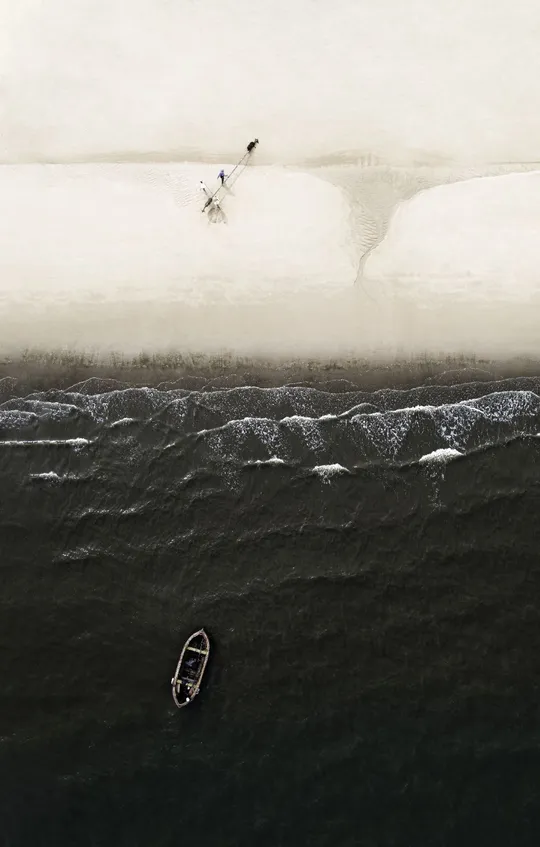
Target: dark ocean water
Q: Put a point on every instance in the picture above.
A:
(366, 564)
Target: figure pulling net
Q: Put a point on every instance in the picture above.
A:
(212, 205)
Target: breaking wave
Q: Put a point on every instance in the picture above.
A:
(327, 432)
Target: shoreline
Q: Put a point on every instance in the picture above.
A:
(35, 371)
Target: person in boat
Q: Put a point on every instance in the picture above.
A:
(221, 176)
(252, 144)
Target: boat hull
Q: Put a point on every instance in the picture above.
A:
(186, 682)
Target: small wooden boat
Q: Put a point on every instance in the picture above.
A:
(191, 665)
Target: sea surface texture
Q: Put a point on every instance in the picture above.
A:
(366, 565)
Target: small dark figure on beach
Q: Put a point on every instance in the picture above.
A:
(252, 144)
(221, 176)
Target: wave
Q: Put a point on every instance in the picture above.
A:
(443, 455)
(326, 472)
(292, 426)
(50, 442)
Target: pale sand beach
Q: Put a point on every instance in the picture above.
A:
(119, 259)
(481, 244)
(336, 240)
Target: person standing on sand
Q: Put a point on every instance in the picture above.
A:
(251, 146)
(221, 176)
(204, 188)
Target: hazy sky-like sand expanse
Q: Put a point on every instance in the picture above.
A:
(87, 77)
(100, 252)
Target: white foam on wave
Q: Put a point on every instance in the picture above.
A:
(387, 435)
(50, 442)
(15, 418)
(54, 477)
(273, 461)
(442, 455)
(500, 405)
(116, 511)
(102, 405)
(36, 408)
(326, 472)
(464, 426)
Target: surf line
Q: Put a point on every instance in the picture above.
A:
(215, 198)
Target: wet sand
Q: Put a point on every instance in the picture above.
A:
(38, 372)
(347, 324)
